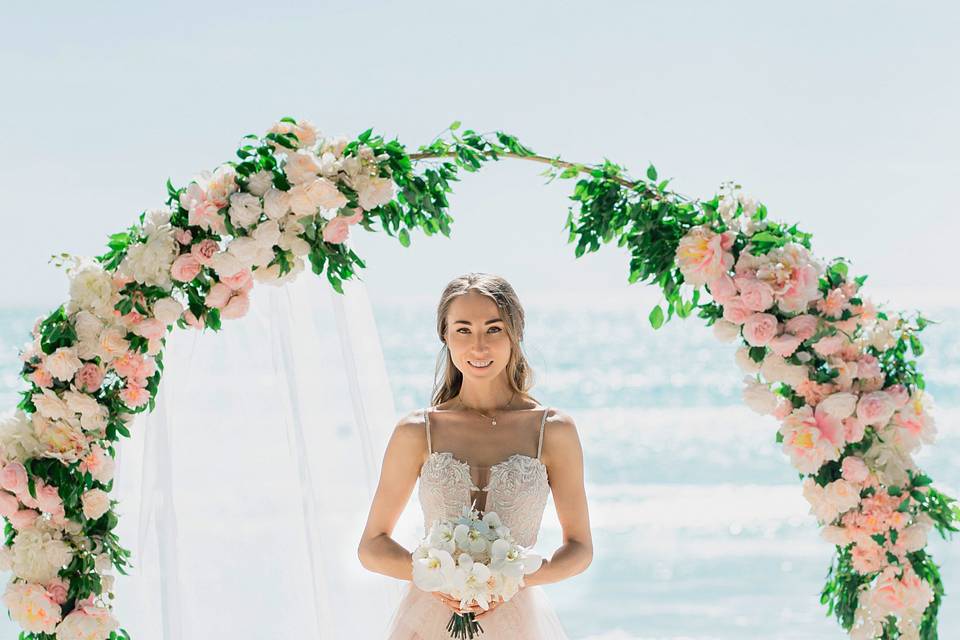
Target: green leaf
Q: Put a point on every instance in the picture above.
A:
(455, 125)
(404, 237)
(656, 317)
(652, 172)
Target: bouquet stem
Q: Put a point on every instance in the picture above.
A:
(464, 626)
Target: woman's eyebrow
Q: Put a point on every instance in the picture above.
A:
(491, 321)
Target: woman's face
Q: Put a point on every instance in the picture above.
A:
(476, 334)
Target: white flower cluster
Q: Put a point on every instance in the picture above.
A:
(472, 559)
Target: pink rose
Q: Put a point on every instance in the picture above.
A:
(240, 281)
(57, 590)
(185, 268)
(735, 311)
(759, 329)
(785, 344)
(183, 236)
(853, 429)
(854, 469)
(803, 326)
(48, 497)
(756, 295)
(9, 504)
(89, 377)
(237, 307)
(875, 408)
(722, 288)
(150, 328)
(23, 518)
(13, 477)
(336, 230)
(218, 296)
(95, 503)
(193, 321)
(868, 367)
(204, 251)
(899, 395)
(828, 345)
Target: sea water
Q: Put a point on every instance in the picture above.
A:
(699, 527)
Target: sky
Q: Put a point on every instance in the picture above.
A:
(839, 116)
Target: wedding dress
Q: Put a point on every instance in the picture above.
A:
(517, 489)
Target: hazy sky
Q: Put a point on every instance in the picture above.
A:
(841, 116)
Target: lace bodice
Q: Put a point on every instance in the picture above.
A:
(517, 489)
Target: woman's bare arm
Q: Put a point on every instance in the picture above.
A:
(563, 456)
(402, 460)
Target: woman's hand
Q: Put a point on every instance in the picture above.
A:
(476, 609)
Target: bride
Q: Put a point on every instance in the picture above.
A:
(484, 442)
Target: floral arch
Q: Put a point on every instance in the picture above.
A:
(838, 373)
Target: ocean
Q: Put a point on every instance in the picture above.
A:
(700, 531)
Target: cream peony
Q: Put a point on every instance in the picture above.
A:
(758, 396)
(32, 607)
(39, 552)
(96, 502)
(245, 210)
(63, 363)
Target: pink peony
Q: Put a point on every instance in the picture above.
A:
(31, 607)
(804, 326)
(134, 396)
(41, 377)
(759, 329)
(785, 344)
(185, 268)
(703, 255)
(854, 469)
(828, 345)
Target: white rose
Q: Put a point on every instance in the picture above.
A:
(839, 405)
(745, 362)
(245, 209)
(95, 502)
(758, 396)
(226, 264)
(776, 369)
(725, 331)
(842, 495)
(301, 167)
(251, 252)
(276, 203)
(167, 310)
(268, 233)
(306, 198)
(63, 363)
(373, 191)
(260, 182)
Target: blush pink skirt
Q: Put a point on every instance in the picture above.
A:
(528, 615)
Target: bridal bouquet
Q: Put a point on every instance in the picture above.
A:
(474, 559)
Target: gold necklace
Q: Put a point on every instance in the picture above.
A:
(493, 422)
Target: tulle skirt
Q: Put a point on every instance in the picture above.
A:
(528, 615)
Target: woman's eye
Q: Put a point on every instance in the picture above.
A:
(491, 329)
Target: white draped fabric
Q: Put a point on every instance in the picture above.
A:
(243, 494)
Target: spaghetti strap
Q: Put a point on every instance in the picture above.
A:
(426, 415)
(542, 420)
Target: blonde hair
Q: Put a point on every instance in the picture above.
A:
(447, 378)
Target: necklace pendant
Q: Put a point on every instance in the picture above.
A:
(493, 424)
